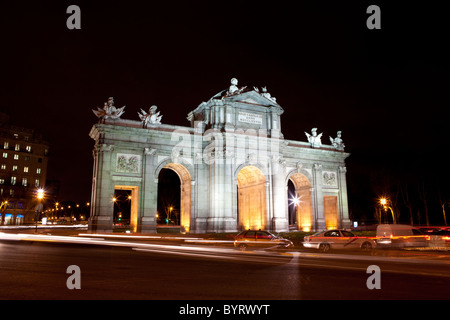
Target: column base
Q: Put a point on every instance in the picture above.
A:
(221, 225)
(280, 225)
(320, 225)
(100, 224)
(147, 225)
(346, 224)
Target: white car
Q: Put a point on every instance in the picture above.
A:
(338, 239)
(400, 236)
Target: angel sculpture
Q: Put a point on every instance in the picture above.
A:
(337, 142)
(151, 117)
(233, 89)
(109, 111)
(266, 94)
(314, 139)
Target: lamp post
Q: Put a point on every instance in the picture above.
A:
(3, 205)
(40, 195)
(384, 202)
(170, 214)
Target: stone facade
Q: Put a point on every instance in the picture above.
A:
(233, 163)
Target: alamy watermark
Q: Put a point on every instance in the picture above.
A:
(74, 20)
(374, 281)
(74, 280)
(237, 146)
(374, 20)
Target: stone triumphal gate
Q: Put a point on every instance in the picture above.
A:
(233, 162)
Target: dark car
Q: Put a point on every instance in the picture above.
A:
(260, 239)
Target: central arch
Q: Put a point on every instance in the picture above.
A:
(252, 207)
(185, 194)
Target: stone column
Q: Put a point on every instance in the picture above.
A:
(343, 200)
(102, 206)
(230, 223)
(148, 194)
(319, 210)
(280, 220)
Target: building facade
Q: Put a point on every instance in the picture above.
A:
(233, 162)
(23, 169)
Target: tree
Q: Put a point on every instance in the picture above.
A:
(404, 192)
(442, 202)
(423, 196)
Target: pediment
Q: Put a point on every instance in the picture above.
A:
(253, 98)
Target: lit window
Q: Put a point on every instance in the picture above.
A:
(17, 148)
(36, 182)
(6, 145)
(24, 182)
(38, 170)
(14, 168)
(25, 169)
(5, 155)
(16, 157)
(3, 166)
(11, 193)
(28, 148)
(13, 180)
(2, 181)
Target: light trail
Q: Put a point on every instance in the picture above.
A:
(294, 258)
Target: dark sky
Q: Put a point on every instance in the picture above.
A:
(387, 89)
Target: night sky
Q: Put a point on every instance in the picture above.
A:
(387, 89)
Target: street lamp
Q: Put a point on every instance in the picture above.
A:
(40, 194)
(170, 214)
(384, 202)
(3, 206)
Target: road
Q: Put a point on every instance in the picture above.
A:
(37, 270)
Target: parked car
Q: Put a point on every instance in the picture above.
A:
(400, 236)
(338, 239)
(260, 239)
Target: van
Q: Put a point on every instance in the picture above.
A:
(400, 236)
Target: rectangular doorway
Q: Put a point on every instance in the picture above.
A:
(126, 206)
(331, 211)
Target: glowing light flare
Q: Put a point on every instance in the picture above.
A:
(296, 201)
(40, 194)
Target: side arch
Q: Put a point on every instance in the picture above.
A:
(302, 199)
(186, 190)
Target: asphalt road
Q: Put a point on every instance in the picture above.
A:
(38, 270)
